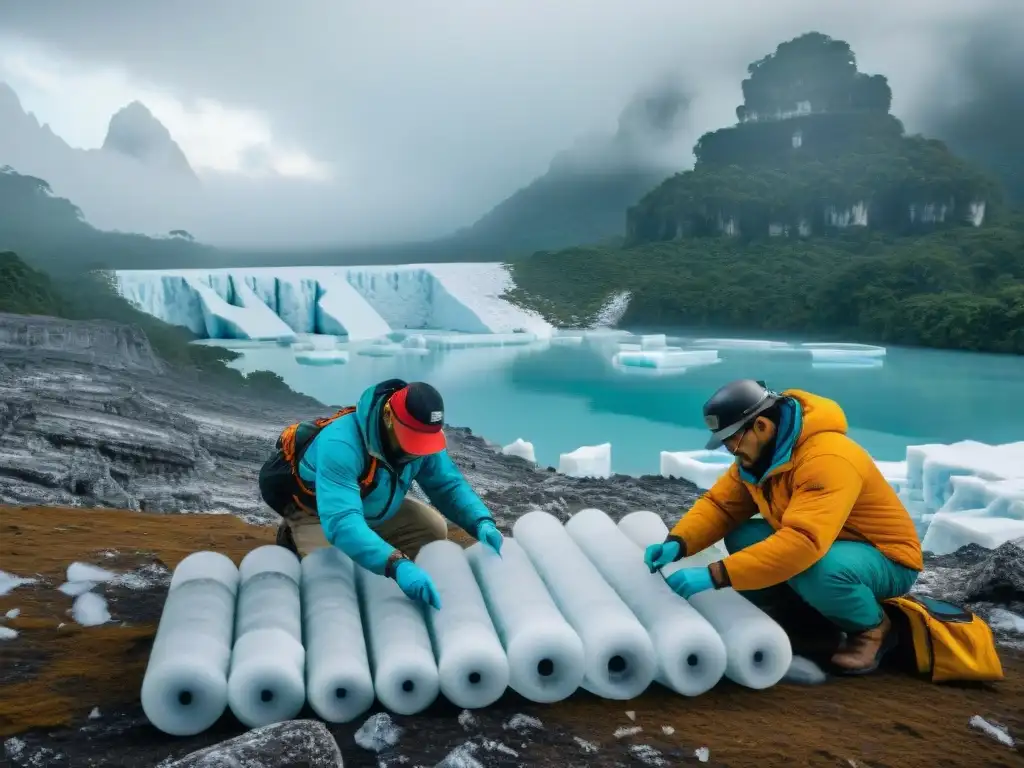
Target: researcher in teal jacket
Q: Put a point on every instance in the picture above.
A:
(361, 467)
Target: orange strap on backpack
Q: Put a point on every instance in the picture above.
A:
(287, 440)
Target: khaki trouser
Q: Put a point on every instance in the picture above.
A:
(413, 526)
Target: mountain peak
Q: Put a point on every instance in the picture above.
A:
(134, 131)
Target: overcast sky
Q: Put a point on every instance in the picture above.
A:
(336, 120)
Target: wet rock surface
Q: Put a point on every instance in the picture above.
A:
(108, 425)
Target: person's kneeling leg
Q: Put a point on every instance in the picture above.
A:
(414, 525)
(847, 586)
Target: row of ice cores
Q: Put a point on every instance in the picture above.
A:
(562, 608)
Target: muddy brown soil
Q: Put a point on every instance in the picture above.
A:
(55, 672)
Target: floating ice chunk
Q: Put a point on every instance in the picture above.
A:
(415, 341)
(948, 531)
(378, 733)
(758, 344)
(322, 357)
(702, 468)
(8, 582)
(847, 363)
(94, 714)
(86, 572)
(6, 633)
(837, 350)
(703, 754)
(587, 461)
(385, 348)
(471, 340)
(522, 449)
(90, 610)
(566, 341)
(664, 358)
(13, 613)
(587, 747)
(653, 341)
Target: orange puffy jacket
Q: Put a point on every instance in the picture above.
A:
(826, 488)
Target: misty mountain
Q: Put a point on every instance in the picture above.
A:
(583, 196)
(135, 132)
(110, 184)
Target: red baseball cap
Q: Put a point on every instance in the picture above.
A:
(418, 412)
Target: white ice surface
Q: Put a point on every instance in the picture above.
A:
(619, 656)
(9, 582)
(339, 686)
(266, 683)
(184, 690)
(90, 609)
(522, 449)
(702, 468)
(691, 656)
(471, 663)
(359, 302)
(401, 656)
(545, 655)
(948, 531)
(587, 461)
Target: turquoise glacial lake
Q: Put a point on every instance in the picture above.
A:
(561, 397)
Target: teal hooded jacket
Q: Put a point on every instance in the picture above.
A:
(338, 456)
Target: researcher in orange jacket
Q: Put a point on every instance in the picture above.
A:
(831, 526)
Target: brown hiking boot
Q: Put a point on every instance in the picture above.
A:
(863, 651)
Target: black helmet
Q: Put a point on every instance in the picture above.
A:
(734, 406)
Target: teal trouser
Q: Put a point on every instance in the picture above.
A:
(845, 586)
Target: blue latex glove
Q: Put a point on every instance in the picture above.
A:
(488, 533)
(687, 582)
(417, 584)
(657, 556)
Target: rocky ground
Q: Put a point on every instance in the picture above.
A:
(89, 418)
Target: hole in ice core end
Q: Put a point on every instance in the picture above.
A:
(185, 698)
(545, 667)
(266, 695)
(474, 678)
(408, 686)
(692, 660)
(616, 665)
(758, 657)
(340, 693)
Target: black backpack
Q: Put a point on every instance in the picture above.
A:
(279, 480)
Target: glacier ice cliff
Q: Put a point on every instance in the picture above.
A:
(357, 302)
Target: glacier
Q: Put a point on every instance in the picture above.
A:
(358, 302)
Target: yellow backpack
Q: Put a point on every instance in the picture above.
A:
(949, 643)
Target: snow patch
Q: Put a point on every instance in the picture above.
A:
(994, 731)
(90, 610)
(627, 730)
(10, 582)
(646, 754)
(522, 723)
(587, 747)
